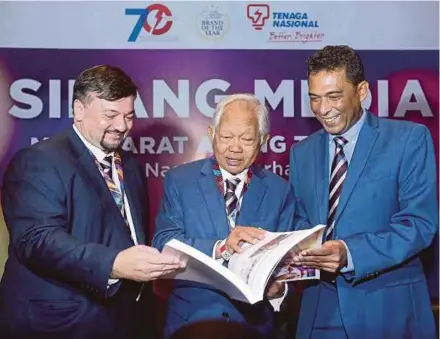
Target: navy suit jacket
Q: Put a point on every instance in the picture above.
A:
(65, 232)
(193, 211)
(387, 214)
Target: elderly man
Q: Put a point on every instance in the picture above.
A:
(203, 205)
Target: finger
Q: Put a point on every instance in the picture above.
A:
(238, 246)
(234, 247)
(152, 275)
(158, 270)
(257, 233)
(313, 264)
(301, 261)
(161, 273)
(326, 266)
(148, 276)
(243, 237)
(234, 244)
(329, 267)
(163, 259)
(164, 273)
(314, 259)
(319, 251)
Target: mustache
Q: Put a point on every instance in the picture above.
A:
(115, 132)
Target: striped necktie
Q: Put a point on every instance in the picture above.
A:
(117, 193)
(338, 174)
(231, 200)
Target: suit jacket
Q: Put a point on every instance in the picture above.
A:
(387, 214)
(193, 211)
(65, 232)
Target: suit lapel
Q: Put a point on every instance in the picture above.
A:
(134, 201)
(214, 200)
(88, 170)
(322, 175)
(364, 145)
(253, 196)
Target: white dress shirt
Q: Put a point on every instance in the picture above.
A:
(276, 303)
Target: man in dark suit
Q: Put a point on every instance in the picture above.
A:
(373, 182)
(204, 204)
(76, 207)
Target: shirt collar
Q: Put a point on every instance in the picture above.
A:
(352, 134)
(226, 175)
(97, 152)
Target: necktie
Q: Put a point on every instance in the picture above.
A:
(106, 165)
(231, 200)
(117, 194)
(337, 177)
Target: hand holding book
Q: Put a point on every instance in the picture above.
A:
(249, 272)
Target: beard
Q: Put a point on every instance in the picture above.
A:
(111, 146)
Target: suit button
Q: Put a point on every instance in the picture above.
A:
(225, 315)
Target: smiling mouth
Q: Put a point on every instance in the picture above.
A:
(116, 135)
(332, 118)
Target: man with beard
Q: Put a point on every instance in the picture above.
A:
(76, 207)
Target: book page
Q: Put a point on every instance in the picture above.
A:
(203, 269)
(288, 271)
(247, 274)
(257, 263)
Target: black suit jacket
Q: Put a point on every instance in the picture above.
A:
(65, 232)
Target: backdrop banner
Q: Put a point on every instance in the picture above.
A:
(178, 88)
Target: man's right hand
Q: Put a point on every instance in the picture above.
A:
(144, 263)
(240, 234)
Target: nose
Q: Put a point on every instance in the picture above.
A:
(325, 107)
(235, 145)
(120, 123)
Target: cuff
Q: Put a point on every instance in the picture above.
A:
(112, 286)
(111, 282)
(218, 243)
(349, 267)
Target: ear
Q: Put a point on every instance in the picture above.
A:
(362, 90)
(78, 110)
(211, 133)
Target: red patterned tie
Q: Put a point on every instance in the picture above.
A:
(338, 174)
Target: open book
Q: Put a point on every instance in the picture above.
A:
(247, 274)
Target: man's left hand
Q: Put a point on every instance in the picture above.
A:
(331, 257)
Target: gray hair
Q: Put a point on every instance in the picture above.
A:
(261, 111)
